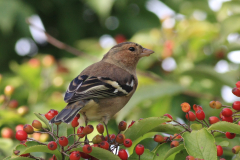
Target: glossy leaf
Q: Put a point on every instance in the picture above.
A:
(100, 153)
(200, 144)
(143, 126)
(167, 128)
(225, 127)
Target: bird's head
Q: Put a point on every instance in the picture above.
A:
(126, 54)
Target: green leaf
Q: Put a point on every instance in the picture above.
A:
(200, 144)
(174, 150)
(225, 127)
(20, 158)
(147, 155)
(100, 153)
(196, 126)
(148, 143)
(181, 155)
(7, 158)
(43, 148)
(153, 91)
(43, 119)
(161, 151)
(223, 143)
(143, 126)
(62, 129)
(167, 128)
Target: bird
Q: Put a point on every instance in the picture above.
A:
(105, 87)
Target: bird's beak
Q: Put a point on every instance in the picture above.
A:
(146, 52)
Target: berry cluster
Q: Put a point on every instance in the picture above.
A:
(109, 142)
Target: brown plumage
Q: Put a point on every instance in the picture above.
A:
(105, 87)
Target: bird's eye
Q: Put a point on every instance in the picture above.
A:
(131, 49)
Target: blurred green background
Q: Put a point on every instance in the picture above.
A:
(196, 59)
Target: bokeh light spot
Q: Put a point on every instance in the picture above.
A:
(169, 64)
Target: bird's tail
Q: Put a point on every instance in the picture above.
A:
(68, 113)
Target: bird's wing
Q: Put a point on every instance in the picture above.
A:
(85, 87)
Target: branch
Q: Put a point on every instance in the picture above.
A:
(60, 44)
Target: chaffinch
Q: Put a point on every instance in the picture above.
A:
(105, 87)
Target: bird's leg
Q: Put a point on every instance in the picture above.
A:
(105, 124)
(86, 141)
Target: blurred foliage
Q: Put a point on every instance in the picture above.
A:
(197, 41)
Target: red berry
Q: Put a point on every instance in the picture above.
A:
(197, 107)
(219, 150)
(49, 116)
(100, 128)
(236, 149)
(78, 116)
(120, 138)
(174, 144)
(7, 132)
(87, 148)
(52, 145)
(127, 143)
(226, 112)
(158, 138)
(85, 156)
(28, 129)
(169, 116)
(190, 116)
(75, 122)
(21, 135)
(236, 91)
(53, 112)
(75, 155)
(120, 38)
(123, 154)
(236, 105)
(88, 129)
(63, 141)
(131, 124)
(111, 136)
(25, 155)
(213, 120)
(185, 107)
(190, 158)
(122, 126)
(200, 114)
(238, 122)
(177, 136)
(97, 139)
(139, 149)
(104, 145)
(19, 127)
(53, 158)
(215, 104)
(227, 119)
(37, 124)
(80, 132)
(13, 104)
(230, 135)
(238, 84)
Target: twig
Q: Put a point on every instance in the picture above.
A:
(36, 141)
(188, 129)
(201, 123)
(60, 44)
